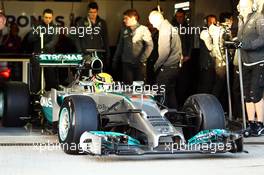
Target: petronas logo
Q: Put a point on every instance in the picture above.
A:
(60, 58)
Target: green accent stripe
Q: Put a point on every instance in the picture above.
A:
(131, 141)
(47, 113)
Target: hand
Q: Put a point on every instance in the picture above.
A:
(233, 44)
(185, 59)
(238, 44)
(143, 64)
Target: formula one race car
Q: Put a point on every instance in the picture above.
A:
(98, 116)
(131, 123)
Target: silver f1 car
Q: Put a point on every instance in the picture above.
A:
(132, 122)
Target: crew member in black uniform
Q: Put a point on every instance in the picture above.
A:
(50, 40)
(167, 65)
(97, 35)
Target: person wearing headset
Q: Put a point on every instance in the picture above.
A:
(251, 43)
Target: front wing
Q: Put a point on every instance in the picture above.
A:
(210, 141)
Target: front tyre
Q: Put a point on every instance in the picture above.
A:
(204, 112)
(77, 115)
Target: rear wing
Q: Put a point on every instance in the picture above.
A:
(59, 60)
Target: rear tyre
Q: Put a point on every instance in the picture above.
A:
(204, 112)
(77, 115)
(16, 104)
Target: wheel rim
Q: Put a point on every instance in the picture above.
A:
(64, 124)
(1, 104)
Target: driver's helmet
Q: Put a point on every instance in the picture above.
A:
(102, 82)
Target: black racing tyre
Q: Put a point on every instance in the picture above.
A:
(77, 115)
(203, 111)
(16, 103)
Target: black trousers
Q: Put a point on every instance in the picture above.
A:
(185, 87)
(253, 81)
(206, 80)
(34, 76)
(150, 73)
(168, 76)
(236, 95)
(50, 74)
(133, 72)
(220, 82)
(51, 78)
(220, 86)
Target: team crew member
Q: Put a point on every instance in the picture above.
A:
(50, 40)
(219, 34)
(180, 22)
(251, 39)
(170, 54)
(150, 78)
(184, 87)
(97, 37)
(207, 60)
(134, 47)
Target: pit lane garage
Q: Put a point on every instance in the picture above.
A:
(89, 116)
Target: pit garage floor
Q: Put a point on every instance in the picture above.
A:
(25, 135)
(21, 153)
